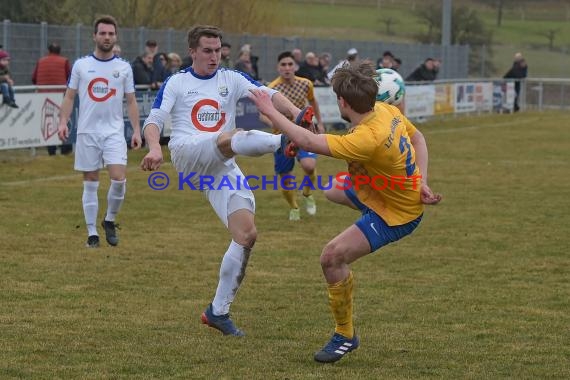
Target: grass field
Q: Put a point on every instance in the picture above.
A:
(480, 291)
(523, 28)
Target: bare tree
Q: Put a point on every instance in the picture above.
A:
(500, 4)
(550, 35)
(388, 23)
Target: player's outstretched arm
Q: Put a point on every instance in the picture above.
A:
(302, 137)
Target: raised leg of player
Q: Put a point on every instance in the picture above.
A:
(248, 143)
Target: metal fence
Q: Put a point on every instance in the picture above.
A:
(545, 94)
(26, 43)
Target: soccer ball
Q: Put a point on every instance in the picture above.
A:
(391, 87)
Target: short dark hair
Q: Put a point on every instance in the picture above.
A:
(356, 85)
(285, 54)
(106, 19)
(226, 44)
(54, 48)
(151, 43)
(200, 31)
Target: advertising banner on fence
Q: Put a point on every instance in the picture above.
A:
(473, 97)
(483, 97)
(464, 97)
(503, 96)
(419, 101)
(444, 98)
(33, 124)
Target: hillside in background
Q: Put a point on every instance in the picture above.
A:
(538, 29)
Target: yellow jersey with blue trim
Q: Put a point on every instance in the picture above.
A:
(382, 164)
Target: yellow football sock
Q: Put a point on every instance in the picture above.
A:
(291, 197)
(340, 303)
(307, 189)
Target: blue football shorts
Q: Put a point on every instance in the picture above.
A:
(377, 232)
(285, 164)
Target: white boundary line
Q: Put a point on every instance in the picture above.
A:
(475, 127)
(69, 176)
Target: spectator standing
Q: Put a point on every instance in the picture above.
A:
(53, 69)
(6, 82)
(226, 60)
(142, 68)
(243, 63)
(386, 61)
(324, 65)
(519, 70)
(163, 70)
(174, 63)
(424, 72)
(253, 59)
(297, 56)
(351, 59)
(310, 68)
(158, 67)
(117, 50)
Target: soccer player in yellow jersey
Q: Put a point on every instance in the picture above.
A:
(300, 92)
(386, 155)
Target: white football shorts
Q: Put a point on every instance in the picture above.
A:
(94, 151)
(198, 158)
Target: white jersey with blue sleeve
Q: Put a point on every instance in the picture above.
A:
(101, 85)
(201, 104)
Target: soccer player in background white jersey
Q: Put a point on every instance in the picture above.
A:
(201, 101)
(101, 80)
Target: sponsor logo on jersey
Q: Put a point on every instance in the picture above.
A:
(99, 91)
(116, 74)
(223, 90)
(207, 116)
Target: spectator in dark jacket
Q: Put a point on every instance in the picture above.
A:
(142, 69)
(424, 72)
(311, 70)
(519, 70)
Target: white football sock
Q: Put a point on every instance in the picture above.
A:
(232, 272)
(255, 143)
(90, 206)
(115, 198)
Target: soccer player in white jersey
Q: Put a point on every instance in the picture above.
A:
(101, 80)
(202, 103)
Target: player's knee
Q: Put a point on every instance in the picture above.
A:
(246, 237)
(331, 256)
(224, 143)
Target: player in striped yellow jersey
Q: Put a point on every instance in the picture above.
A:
(383, 144)
(300, 92)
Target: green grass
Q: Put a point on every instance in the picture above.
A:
(365, 22)
(480, 290)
